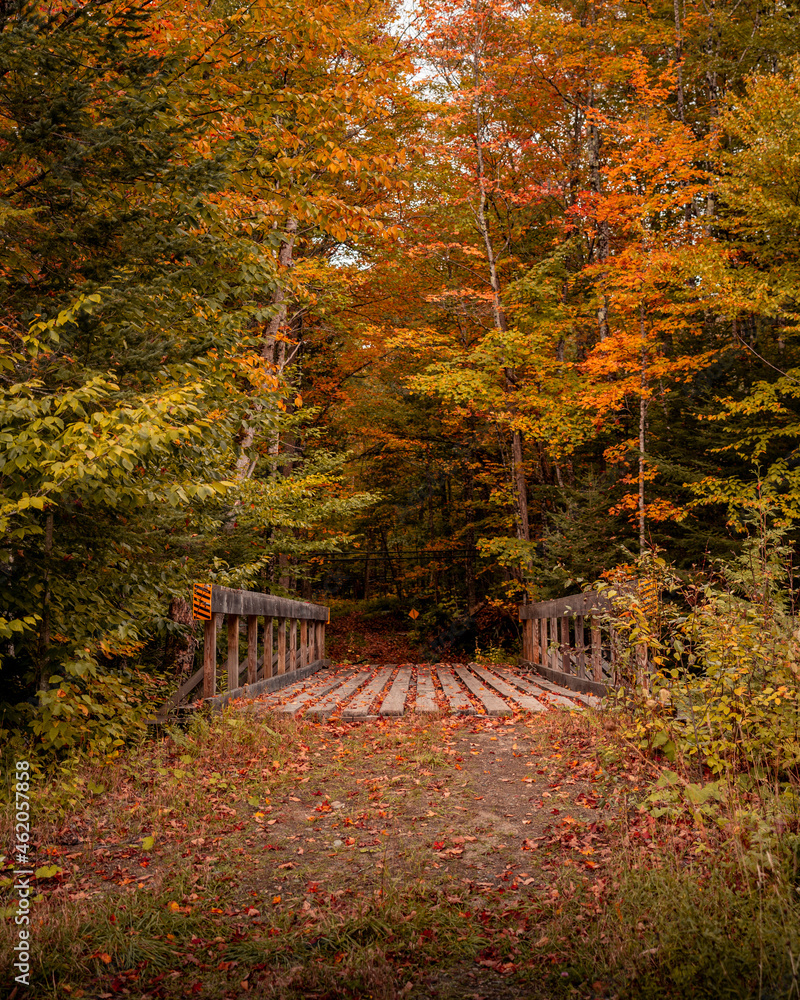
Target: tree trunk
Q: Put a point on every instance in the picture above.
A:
(642, 433)
(678, 58)
(180, 647)
(596, 181)
(518, 459)
(273, 349)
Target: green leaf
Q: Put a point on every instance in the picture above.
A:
(48, 871)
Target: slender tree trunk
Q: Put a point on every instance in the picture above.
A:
(517, 443)
(679, 57)
(642, 433)
(273, 349)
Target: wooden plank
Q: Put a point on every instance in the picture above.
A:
(597, 650)
(269, 650)
(615, 657)
(543, 639)
(359, 706)
(253, 691)
(210, 657)
(248, 602)
(575, 604)
(233, 652)
(395, 701)
(566, 646)
(456, 698)
(552, 654)
(642, 665)
(303, 695)
(334, 700)
(525, 701)
(580, 644)
(321, 650)
(186, 688)
(281, 646)
(252, 649)
(426, 695)
(304, 657)
(492, 704)
(292, 644)
(558, 695)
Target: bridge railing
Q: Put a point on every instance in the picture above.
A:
(566, 641)
(290, 634)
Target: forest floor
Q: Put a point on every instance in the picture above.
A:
(478, 858)
(383, 859)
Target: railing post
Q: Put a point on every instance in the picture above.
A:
(304, 658)
(543, 642)
(642, 665)
(292, 644)
(252, 649)
(566, 659)
(552, 658)
(580, 644)
(322, 640)
(233, 652)
(597, 669)
(281, 646)
(269, 653)
(210, 657)
(612, 638)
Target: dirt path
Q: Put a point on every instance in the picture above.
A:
(391, 858)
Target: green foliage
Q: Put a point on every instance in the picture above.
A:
(723, 689)
(686, 932)
(134, 299)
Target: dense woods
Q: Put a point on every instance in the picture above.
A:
(453, 302)
(420, 311)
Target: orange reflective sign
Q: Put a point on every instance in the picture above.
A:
(201, 602)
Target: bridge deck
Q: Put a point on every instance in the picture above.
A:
(367, 692)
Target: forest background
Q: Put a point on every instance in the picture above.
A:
(455, 306)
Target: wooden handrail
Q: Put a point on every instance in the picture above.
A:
(577, 604)
(554, 641)
(277, 665)
(249, 602)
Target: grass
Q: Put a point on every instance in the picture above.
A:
(617, 902)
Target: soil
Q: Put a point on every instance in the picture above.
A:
(500, 799)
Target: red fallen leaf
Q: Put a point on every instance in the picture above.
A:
(438, 845)
(529, 845)
(197, 988)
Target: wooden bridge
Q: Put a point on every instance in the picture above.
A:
(275, 657)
